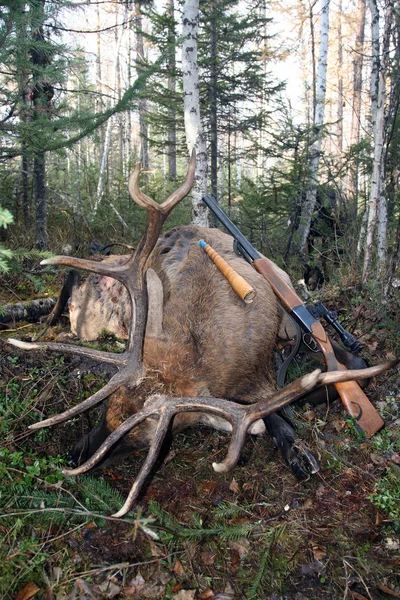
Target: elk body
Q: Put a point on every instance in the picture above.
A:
(196, 353)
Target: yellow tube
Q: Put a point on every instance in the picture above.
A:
(238, 283)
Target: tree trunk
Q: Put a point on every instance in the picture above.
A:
(41, 107)
(377, 199)
(340, 98)
(195, 137)
(213, 101)
(144, 135)
(110, 123)
(171, 88)
(39, 178)
(356, 103)
(300, 236)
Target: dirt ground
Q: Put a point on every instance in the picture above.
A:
(256, 532)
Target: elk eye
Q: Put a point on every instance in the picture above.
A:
(165, 250)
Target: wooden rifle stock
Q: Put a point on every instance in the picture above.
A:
(353, 398)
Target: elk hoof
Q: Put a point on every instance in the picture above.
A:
(301, 462)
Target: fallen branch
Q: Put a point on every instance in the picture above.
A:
(26, 311)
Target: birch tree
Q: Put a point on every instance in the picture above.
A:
(377, 198)
(195, 137)
(356, 96)
(300, 237)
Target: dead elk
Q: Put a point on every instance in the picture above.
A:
(195, 352)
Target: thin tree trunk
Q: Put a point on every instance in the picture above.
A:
(39, 177)
(213, 100)
(171, 89)
(356, 103)
(340, 98)
(195, 137)
(313, 62)
(99, 84)
(144, 136)
(128, 116)
(377, 199)
(110, 122)
(300, 237)
(41, 104)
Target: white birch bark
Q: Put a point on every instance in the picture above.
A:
(307, 209)
(377, 200)
(195, 137)
(356, 102)
(110, 122)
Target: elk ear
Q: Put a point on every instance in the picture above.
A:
(155, 292)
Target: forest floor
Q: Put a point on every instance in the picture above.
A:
(196, 534)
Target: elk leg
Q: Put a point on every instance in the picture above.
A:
(300, 460)
(71, 280)
(92, 441)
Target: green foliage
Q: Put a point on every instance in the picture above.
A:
(267, 565)
(171, 531)
(6, 255)
(387, 497)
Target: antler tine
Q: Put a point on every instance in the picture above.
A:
(136, 193)
(98, 355)
(109, 269)
(185, 188)
(115, 382)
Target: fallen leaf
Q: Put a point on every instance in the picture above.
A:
(387, 590)
(170, 456)
(178, 568)
(378, 459)
(208, 594)
(135, 586)
(395, 458)
(310, 570)
(184, 595)
(309, 415)
(234, 486)
(358, 596)
(391, 544)
(109, 589)
(241, 546)
(235, 558)
(30, 590)
(227, 594)
(207, 558)
(319, 552)
(90, 525)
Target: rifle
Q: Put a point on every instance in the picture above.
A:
(353, 398)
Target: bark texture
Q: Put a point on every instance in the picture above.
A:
(300, 237)
(195, 137)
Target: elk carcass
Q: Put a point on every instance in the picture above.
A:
(196, 353)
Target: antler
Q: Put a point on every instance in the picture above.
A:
(241, 417)
(132, 275)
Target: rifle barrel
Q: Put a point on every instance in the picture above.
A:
(231, 227)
